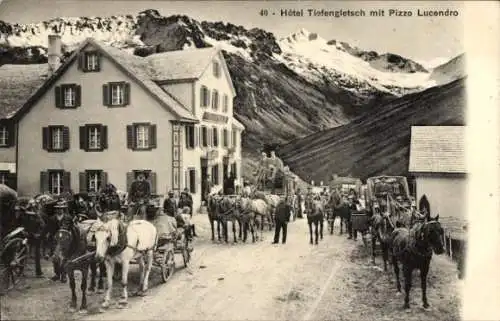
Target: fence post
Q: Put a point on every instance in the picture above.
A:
(451, 251)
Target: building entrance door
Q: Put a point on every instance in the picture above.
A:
(204, 174)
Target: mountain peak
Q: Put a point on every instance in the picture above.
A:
(302, 35)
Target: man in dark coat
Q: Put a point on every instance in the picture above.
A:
(207, 187)
(283, 211)
(353, 202)
(186, 200)
(299, 201)
(170, 205)
(61, 217)
(138, 197)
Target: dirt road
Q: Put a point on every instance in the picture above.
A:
(332, 280)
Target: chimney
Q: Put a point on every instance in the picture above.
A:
(54, 53)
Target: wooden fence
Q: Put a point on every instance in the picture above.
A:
(455, 241)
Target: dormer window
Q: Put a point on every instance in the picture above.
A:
(89, 61)
(215, 99)
(116, 94)
(68, 96)
(216, 67)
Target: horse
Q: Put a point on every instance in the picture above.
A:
(71, 254)
(117, 242)
(213, 215)
(337, 207)
(413, 248)
(272, 200)
(226, 211)
(249, 210)
(315, 215)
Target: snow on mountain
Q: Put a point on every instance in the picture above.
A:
(312, 56)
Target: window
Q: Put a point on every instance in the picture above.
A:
(149, 175)
(89, 61)
(190, 136)
(225, 104)
(116, 94)
(204, 97)
(55, 138)
(4, 177)
(56, 182)
(4, 136)
(94, 181)
(191, 180)
(225, 137)
(215, 137)
(68, 96)
(215, 174)
(216, 69)
(93, 137)
(141, 136)
(204, 136)
(234, 138)
(234, 170)
(215, 99)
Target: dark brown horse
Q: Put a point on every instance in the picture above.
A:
(337, 207)
(71, 254)
(315, 215)
(213, 215)
(227, 212)
(413, 248)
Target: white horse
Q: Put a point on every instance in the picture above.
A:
(254, 208)
(272, 200)
(119, 243)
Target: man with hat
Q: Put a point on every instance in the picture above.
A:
(170, 205)
(353, 202)
(207, 188)
(299, 200)
(186, 200)
(61, 216)
(138, 197)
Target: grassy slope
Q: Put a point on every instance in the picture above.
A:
(377, 142)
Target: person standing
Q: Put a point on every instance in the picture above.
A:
(299, 200)
(207, 188)
(186, 200)
(170, 205)
(283, 211)
(55, 222)
(353, 206)
(138, 198)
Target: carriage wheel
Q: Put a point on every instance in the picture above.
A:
(14, 259)
(168, 266)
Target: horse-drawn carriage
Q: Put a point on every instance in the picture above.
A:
(389, 195)
(13, 240)
(348, 185)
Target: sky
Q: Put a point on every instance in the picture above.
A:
(425, 39)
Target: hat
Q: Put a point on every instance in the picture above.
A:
(170, 193)
(61, 204)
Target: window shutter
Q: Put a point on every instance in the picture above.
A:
(186, 179)
(78, 96)
(44, 182)
(104, 178)
(202, 96)
(130, 137)
(67, 181)
(83, 138)
(126, 94)
(98, 57)
(130, 179)
(45, 138)
(152, 136)
(81, 62)
(58, 96)
(152, 180)
(11, 133)
(209, 137)
(104, 137)
(196, 136)
(65, 138)
(106, 95)
(82, 178)
(11, 180)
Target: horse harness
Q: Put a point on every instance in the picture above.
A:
(418, 235)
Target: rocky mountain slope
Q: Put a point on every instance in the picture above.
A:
(378, 142)
(286, 88)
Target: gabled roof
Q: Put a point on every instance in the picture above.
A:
(17, 83)
(180, 64)
(437, 149)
